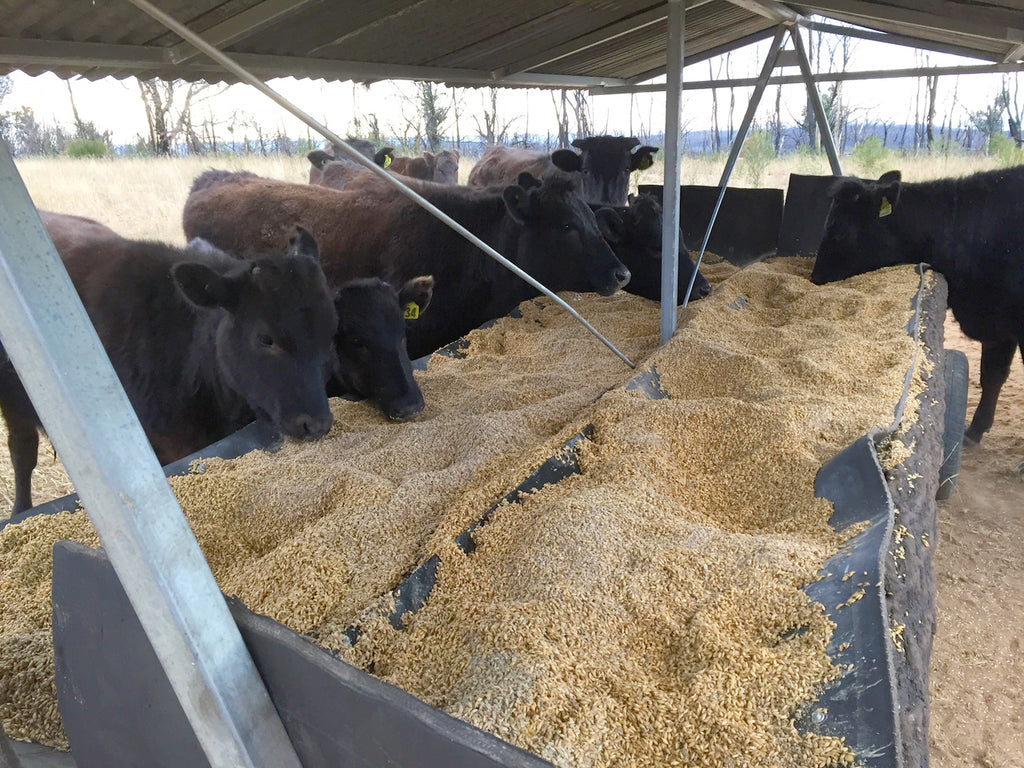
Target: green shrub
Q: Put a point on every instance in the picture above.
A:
(758, 151)
(86, 148)
(1005, 150)
(869, 156)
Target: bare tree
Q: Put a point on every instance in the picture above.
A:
(1012, 97)
(433, 113)
(457, 106)
(716, 136)
(494, 129)
(775, 126)
(166, 121)
(932, 89)
(584, 115)
(560, 100)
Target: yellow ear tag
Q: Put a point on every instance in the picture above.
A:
(387, 160)
(885, 209)
(412, 311)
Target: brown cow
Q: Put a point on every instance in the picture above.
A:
(547, 230)
(325, 171)
(442, 167)
(203, 342)
(603, 165)
(341, 165)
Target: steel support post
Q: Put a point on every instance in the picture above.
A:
(49, 338)
(670, 189)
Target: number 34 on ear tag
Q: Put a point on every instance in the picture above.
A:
(412, 311)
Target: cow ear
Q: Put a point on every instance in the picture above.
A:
(517, 200)
(643, 158)
(889, 188)
(384, 157)
(303, 244)
(527, 180)
(415, 296)
(204, 287)
(610, 223)
(319, 158)
(567, 160)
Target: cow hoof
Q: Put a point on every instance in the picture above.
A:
(970, 441)
(1020, 471)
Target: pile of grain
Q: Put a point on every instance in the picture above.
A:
(646, 612)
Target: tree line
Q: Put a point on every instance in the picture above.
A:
(180, 121)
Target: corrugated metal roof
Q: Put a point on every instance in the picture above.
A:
(526, 42)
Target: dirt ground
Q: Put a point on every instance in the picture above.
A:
(977, 664)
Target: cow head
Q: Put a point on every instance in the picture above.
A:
(381, 157)
(273, 331)
(861, 229)
(560, 243)
(371, 345)
(446, 166)
(635, 233)
(604, 163)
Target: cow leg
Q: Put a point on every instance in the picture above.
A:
(996, 358)
(23, 443)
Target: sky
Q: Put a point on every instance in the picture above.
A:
(115, 105)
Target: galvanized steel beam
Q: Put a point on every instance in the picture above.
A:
(821, 77)
(670, 189)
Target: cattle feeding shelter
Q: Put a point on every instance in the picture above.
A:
(220, 691)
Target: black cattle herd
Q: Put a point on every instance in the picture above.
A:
(288, 294)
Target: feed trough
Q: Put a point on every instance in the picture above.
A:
(337, 712)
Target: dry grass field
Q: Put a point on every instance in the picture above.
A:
(977, 704)
(143, 198)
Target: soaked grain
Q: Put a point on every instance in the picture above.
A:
(638, 614)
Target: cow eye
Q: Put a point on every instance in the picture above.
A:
(265, 340)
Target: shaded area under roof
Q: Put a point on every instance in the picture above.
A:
(535, 43)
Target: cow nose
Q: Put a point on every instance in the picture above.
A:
(309, 427)
(704, 290)
(622, 275)
(405, 411)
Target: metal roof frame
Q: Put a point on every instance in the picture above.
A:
(47, 333)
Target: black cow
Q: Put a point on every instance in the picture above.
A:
(634, 232)
(602, 165)
(371, 343)
(202, 342)
(547, 230)
(968, 229)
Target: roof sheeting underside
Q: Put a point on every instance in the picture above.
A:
(461, 42)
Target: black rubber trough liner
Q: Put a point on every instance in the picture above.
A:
(119, 709)
(747, 225)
